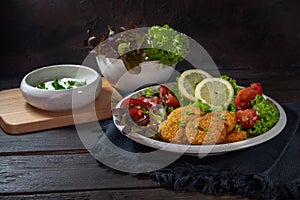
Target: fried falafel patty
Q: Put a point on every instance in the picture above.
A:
(173, 129)
(206, 131)
(211, 128)
(227, 117)
(235, 136)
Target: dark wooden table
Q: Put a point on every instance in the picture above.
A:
(54, 164)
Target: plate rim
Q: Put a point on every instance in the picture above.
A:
(202, 150)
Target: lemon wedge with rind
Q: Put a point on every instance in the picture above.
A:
(188, 81)
(216, 92)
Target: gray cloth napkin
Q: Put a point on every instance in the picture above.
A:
(268, 170)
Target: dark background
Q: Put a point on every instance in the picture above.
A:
(248, 34)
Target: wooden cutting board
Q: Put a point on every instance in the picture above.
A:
(18, 117)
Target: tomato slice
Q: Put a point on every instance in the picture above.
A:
(168, 97)
(246, 95)
(247, 118)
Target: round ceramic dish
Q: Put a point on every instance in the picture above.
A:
(61, 100)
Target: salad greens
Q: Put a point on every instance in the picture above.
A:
(203, 106)
(268, 116)
(166, 45)
(232, 81)
(236, 89)
(161, 43)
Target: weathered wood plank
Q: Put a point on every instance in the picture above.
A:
(61, 173)
(50, 140)
(55, 141)
(153, 194)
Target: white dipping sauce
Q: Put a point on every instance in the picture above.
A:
(65, 82)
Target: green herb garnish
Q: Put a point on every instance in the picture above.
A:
(222, 116)
(56, 84)
(42, 86)
(188, 112)
(71, 83)
(79, 84)
(197, 127)
(182, 124)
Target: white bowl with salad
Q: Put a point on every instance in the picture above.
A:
(200, 115)
(61, 87)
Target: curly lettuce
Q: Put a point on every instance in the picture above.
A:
(236, 90)
(268, 116)
(166, 45)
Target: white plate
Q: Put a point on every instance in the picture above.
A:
(203, 150)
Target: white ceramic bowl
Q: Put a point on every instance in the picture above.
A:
(152, 72)
(61, 100)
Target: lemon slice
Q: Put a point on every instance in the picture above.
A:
(188, 80)
(216, 92)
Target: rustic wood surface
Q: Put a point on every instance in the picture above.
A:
(54, 164)
(248, 40)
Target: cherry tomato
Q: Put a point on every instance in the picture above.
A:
(246, 95)
(151, 100)
(138, 107)
(168, 98)
(132, 102)
(139, 116)
(247, 118)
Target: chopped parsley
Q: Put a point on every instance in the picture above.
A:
(80, 83)
(61, 84)
(197, 126)
(56, 85)
(222, 116)
(42, 86)
(188, 112)
(182, 124)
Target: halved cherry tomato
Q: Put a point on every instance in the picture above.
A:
(139, 116)
(168, 98)
(138, 107)
(152, 100)
(247, 118)
(131, 102)
(246, 95)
